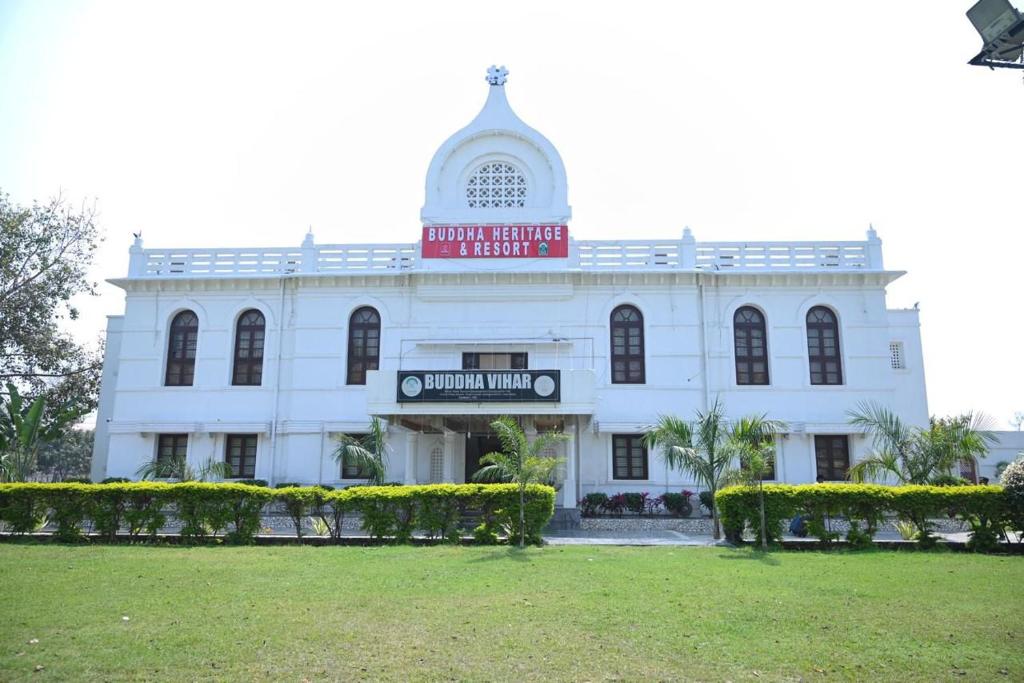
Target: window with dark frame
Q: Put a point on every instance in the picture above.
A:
(627, 346)
(472, 360)
(969, 470)
(629, 457)
(353, 470)
(751, 344)
(169, 446)
(181, 350)
(363, 344)
(250, 333)
(240, 455)
(832, 456)
(823, 346)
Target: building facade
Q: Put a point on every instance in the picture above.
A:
(261, 357)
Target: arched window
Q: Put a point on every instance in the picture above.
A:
(181, 350)
(496, 185)
(751, 344)
(627, 346)
(823, 346)
(363, 344)
(249, 335)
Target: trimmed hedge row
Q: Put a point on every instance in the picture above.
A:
(233, 511)
(989, 510)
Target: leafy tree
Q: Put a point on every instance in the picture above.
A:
(67, 456)
(519, 462)
(369, 452)
(706, 448)
(177, 467)
(46, 254)
(914, 455)
(25, 427)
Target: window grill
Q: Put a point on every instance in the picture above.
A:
(496, 185)
(896, 360)
(437, 465)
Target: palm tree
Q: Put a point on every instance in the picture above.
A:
(914, 455)
(519, 462)
(368, 452)
(699, 449)
(753, 440)
(177, 467)
(24, 428)
(706, 449)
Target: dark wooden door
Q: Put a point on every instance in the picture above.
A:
(477, 446)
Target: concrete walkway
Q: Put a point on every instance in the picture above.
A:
(661, 537)
(653, 537)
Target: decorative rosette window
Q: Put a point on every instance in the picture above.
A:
(496, 185)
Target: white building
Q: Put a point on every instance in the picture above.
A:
(261, 355)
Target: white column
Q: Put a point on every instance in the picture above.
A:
(448, 471)
(136, 259)
(411, 439)
(569, 485)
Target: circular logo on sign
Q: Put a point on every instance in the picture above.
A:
(544, 386)
(412, 386)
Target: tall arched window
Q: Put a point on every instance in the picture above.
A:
(627, 346)
(751, 344)
(823, 346)
(181, 350)
(249, 335)
(363, 344)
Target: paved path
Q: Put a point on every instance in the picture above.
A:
(676, 538)
(654, 537)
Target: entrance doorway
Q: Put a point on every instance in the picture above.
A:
(477, 446)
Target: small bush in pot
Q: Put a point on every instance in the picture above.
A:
(615, 504)
(707, 501)
(592, 503)
(677, 504)
(635, 502)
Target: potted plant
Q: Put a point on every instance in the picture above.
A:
(677, 504)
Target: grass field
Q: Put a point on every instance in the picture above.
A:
(569, 613)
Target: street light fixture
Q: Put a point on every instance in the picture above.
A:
(1001, 27)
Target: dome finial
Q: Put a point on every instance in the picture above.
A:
(496, 75)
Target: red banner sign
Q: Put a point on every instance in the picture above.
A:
(496, 241)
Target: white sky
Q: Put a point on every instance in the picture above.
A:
(216, 124)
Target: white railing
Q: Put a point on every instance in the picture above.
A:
(333, 258)
(777, 255)
(213, 262)
(628, 254)
(604, 255)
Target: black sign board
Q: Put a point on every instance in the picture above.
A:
(473, 386)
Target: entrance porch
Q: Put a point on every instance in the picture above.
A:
(437, 449)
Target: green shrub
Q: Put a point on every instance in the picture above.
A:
(592, 503)
(232, 511)
(330, 510)
(297, 502)
(986, 508)
(635, 502)
(678, 504)
(23, 507)
(707, 500)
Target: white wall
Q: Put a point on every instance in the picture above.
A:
(429, 319)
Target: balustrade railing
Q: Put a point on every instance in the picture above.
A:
(589, 255)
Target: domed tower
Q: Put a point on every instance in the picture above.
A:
(496, 171)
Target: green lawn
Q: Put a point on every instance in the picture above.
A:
(576, 613)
